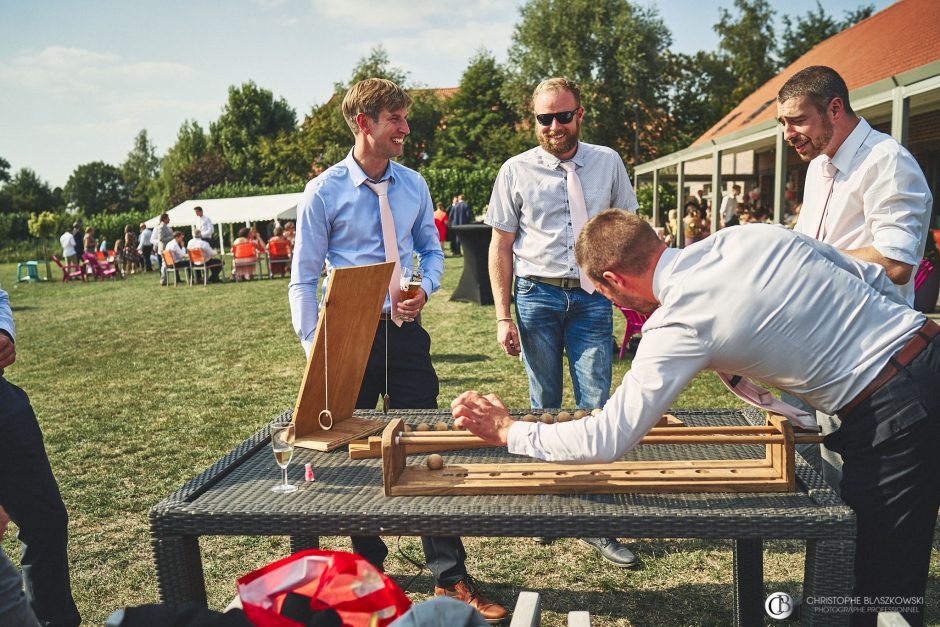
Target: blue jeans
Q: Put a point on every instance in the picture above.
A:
(14, 609)
(552, 320)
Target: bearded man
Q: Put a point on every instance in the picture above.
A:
(864, 194)
(540, 200)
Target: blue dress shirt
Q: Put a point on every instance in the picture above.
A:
(6, 315)
(338, 222)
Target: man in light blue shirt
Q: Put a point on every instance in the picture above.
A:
(30, 495)
(338, 222)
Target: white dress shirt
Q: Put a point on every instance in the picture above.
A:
(879, 198)
(729, 206)
(799, 315)
(176, 250)
(202, 245)
(204, 226)
(530, 198)
(68, 244)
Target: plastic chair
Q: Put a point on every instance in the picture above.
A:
(199, 263)
(98, 270)
(634, 326)
(32, 272)
(69, 271)
(245, 261)
(924, 270)
(279, 260)
(170, 265)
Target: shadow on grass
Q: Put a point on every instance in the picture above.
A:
(454, 358)
(23, 308)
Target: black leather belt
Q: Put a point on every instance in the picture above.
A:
(903, 357)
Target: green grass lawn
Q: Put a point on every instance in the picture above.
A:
(139, 388)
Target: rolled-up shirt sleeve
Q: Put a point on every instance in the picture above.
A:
(897, 207)
(504, 207)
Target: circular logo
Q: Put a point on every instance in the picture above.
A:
(779, 605)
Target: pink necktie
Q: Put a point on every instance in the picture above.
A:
(829, 177)
(391, 245)
(763, 399)
(578, 213)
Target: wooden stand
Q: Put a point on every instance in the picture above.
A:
(351, 309)
(774, 472)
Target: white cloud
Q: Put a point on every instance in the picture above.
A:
(60, 71)
(405, 14)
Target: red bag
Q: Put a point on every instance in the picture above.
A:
(330, 580)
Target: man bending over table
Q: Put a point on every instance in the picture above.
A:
(860, 352)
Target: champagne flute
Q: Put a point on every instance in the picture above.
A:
(282, 441)
(410, 284)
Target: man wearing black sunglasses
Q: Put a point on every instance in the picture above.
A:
(540, 200)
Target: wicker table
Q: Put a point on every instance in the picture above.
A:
(233, 498)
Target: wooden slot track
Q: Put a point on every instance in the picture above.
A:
(774, 472)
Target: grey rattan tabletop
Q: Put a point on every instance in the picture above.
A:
(233, 498)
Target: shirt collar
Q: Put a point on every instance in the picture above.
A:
(663, 269)
(846, 152)
(358, 176)
(552, 162)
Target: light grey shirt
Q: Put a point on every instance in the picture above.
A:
(6, 315)
(530, 198)
(799, 315)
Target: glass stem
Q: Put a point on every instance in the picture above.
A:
(284, 476)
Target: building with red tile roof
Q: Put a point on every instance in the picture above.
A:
(891, 65)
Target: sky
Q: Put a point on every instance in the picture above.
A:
(79, 80)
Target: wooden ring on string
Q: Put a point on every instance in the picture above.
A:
(325, 419)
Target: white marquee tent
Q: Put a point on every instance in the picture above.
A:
(245, 209)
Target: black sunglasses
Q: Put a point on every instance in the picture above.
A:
(563, 117)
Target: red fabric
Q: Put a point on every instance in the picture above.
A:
(345, 582)
(441, 229)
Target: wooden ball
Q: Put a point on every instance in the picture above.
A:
(423, 427)
(547, 418)
(435, 461)
(596, 411)
(563, 416)
(408, 428)
(456, 428)
(442, 426)
(529, 418)
(579, 414)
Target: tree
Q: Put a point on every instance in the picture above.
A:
(480, 125)
(140, 170)
(191, 144)
(747, 44)
(29, 193)
(4, 170)
(43, 226)
(800, 34)
(424, 119)
(97, 187)
(202, 173)
(611, 48)
(698, 88)
(250, 114)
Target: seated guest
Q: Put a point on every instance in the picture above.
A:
(278, 238)
(290, 229)
(243, 266)
(176, 248)
(255, 238)
(242, 237)
(213, 263)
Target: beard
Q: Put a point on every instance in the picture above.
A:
(816, 145)
(560, 142)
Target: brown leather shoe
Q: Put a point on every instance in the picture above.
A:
(468, 591)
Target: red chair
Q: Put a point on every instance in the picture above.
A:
(245, 261)
(279, 257)
(634, 326)
(98, 270)
(69, 271)
(924, 270)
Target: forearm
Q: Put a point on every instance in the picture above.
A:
(500, 268)
(898, 271)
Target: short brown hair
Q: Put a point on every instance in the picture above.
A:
(554, 85)
(820, 83)
(372, 96)
(616, 240)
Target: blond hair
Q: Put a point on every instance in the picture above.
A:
(617, 241)
(557, 84)
(372, 96)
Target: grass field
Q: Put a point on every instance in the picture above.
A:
(139, 388)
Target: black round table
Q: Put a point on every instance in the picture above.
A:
(474, 285)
